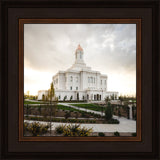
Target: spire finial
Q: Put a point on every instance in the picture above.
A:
(79, 48)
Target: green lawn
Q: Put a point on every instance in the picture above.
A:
(66, 108)
(90, 106)
(29, 102)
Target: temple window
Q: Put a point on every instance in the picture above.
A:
(71, 78)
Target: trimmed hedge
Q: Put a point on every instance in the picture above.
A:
(113, 121)
(60, 120)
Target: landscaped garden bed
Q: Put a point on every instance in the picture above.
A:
(58, 111)
(94, 107)
(64, 114)
(35, 129)
(62, 120)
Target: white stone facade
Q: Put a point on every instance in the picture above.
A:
(79, 82)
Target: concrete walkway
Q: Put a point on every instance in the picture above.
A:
(124, 126)
(81, 109)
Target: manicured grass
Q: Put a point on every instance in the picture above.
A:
(29, 102)
(90, 106)
(59, 106)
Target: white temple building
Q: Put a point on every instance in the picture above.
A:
(79, 82)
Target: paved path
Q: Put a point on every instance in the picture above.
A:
(124, 126)
(79, 108)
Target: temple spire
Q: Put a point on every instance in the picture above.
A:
(79, 55)
(79, 48)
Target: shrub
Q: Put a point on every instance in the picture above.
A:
(119, 113)
(108, 112)
(73, 130)
(101, 134)
(67, 115)
(36, 128)
(113, 121)
(71, 98)
(59, 129)
(25, 126)
(84, 132)
(63, 120)
(65, 97)
(116, 134)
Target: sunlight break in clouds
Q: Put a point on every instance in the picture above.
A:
(108, 48)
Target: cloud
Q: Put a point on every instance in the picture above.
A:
(109, 48)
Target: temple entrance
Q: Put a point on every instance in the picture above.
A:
(97, 97)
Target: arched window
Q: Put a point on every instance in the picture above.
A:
(71, 78)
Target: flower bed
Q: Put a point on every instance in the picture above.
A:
(36, 129)
(73, 130)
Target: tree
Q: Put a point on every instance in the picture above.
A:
(112, 96)
(108, 112)
(28, 94)
(51, 92)
(121, 99)
(65, 97)
(107, 99)
(119, 112)
(71, 98)
(51, 95)
(43, 97)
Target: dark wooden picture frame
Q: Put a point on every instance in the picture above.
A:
(79, 21)
(147, 144)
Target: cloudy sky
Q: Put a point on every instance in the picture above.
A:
(108, 48)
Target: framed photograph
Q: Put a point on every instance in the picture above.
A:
(80, 79)
(78, 103)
